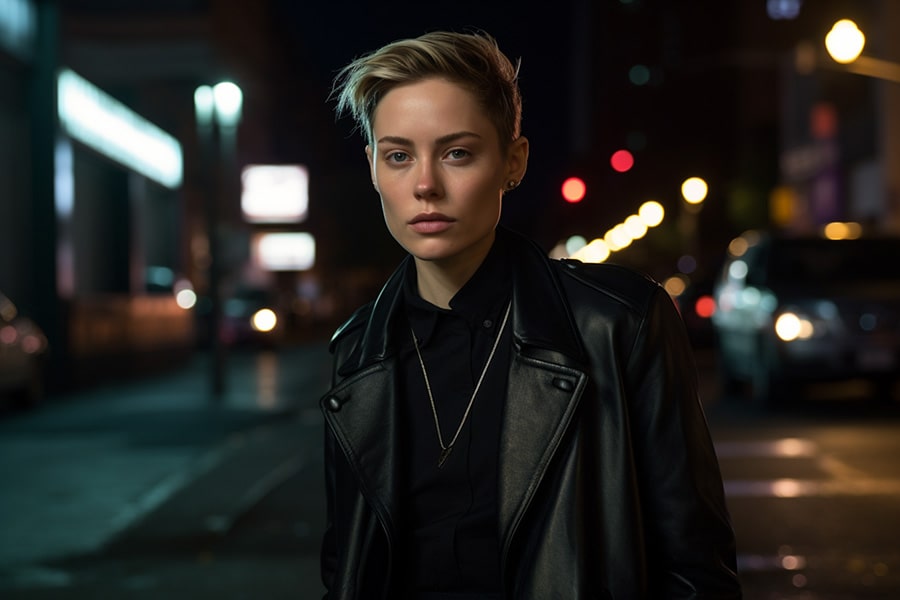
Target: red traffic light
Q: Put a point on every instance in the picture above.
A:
(574, 189)
(621, 160)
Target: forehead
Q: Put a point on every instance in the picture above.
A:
(430, 106)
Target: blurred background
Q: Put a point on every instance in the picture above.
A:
(177, 196)
(137, 202)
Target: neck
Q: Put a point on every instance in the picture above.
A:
(438, 286)
(438, 281)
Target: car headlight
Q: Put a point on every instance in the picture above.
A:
(791, 326)
(264, 320)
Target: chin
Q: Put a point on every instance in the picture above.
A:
(430, 249)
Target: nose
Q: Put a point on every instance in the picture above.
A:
(428, 184)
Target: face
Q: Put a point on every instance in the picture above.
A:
(438, 166)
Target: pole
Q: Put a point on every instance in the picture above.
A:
(208, 144)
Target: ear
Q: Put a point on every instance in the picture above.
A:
(517, 160)
(370, 156)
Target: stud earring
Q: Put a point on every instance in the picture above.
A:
(512, 184)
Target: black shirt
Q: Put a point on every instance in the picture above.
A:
(450, 534)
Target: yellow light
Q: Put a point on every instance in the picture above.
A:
(595, 252)
(617, 238)
(651, 213)
(738, 246)
(636, 227)
(842, 231)
(694, 190)
(845, 42)
(788, 326)
(675, 285)
(783, 204)
(264, 320)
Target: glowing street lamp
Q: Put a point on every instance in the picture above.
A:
(694, 190)
(845, 43)
(218, 112)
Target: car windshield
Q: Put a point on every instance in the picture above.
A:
(805, 261)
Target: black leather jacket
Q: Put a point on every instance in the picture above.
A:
(609, 486)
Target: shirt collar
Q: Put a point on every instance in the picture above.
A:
(480, 301)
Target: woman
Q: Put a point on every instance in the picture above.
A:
(503, 425)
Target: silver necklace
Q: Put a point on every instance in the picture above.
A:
(448, 448)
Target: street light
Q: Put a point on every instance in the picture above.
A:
(845, 43)
(218, 112)
(693, 191)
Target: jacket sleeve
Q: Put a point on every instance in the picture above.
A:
(690, 541)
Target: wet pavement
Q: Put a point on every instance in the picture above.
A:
(147, 489)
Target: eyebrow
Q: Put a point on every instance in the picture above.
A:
(444, 139)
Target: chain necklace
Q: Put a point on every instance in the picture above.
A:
(448, 448)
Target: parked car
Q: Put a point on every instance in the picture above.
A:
(793, 310)
(23, 347)
(252, 316)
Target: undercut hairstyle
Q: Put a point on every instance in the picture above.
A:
(472, 60)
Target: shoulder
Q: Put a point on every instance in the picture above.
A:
(618, 284)
(352, 328)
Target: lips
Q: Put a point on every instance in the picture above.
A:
(430, 223)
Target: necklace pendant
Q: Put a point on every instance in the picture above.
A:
(445, 452)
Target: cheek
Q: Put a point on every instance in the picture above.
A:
(390, 210)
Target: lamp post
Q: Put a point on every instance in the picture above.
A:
(218, 112)
(845, 43)
(693, 193)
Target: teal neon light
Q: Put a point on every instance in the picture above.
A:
(18, 26)
(98, 120)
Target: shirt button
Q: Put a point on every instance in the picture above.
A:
(488, 323)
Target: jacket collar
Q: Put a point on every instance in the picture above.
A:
(541, 319)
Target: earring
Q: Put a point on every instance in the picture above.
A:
(512, 184)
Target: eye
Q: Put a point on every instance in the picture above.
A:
(458, 154)
(396, 156)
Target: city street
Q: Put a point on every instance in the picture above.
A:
(146, 490)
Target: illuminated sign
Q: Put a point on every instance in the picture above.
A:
(18, 24)
(284, 251)
(274, 193)
(98, 120)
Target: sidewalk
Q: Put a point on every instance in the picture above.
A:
(86, 466)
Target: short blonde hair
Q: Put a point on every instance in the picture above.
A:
(472, 60)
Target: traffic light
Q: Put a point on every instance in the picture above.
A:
(621, 160)
(574, 189)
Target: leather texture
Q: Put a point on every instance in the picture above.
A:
(609, 486)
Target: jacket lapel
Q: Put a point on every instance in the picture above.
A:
(546, 380)
(367, 428)
(541, 400)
